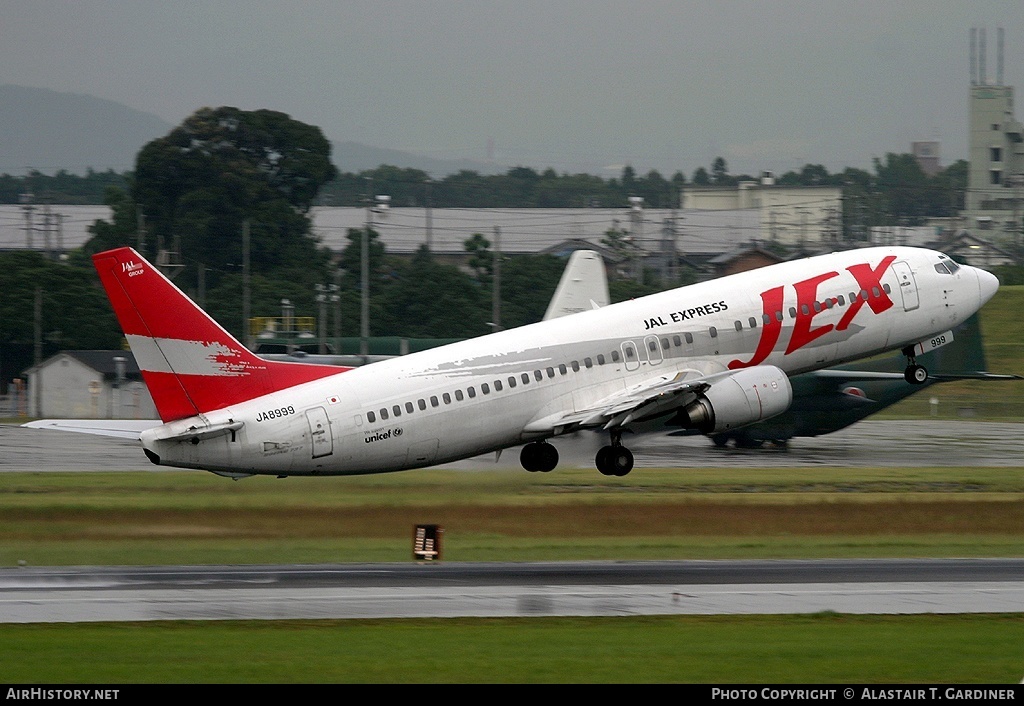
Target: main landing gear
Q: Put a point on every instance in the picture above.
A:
(614, 459)
(914, 374)
(539, 456)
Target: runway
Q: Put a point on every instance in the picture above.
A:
(868, 443)
(37, 594)
(30, 595)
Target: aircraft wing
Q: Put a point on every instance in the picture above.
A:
(659, 394)
(121, 428)
(741, 397)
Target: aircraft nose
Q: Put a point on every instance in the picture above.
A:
(988, 283)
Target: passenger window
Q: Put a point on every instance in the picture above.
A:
(447, 398)
(408, 407)
(778, 316)
(383, 414)
(551, 372)
(792, 312)
(676, 341)
(739, 325)
(615, 356)
(562, 369)
(842, 300)
(433, 401)
(713, 331)
(887, 288)
(817, 307)
(538, 375)
(371, 417)
(526, 378)
(498, 386)
(459, 396)
(689, 337)
(397, 410)
(876, 292)
(752, 322)
(588, 362)
(652, 346)
(471, 391)
(664, 344)
(804, 310)
(511, 381)
(421, 403)
(600, 358)
(575, 366)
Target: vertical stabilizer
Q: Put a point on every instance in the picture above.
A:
(190, 363)
(583, 286)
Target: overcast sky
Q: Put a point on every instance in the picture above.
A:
(580, 85)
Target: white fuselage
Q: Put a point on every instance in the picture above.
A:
(482, 394)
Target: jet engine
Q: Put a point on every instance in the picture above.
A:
(743, 397)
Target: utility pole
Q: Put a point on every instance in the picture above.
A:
(372, 203)
(26, 204)
(496, 284)
(430, 219)
(246, 335)
(37, 349)
(364, 274)
(140, 230)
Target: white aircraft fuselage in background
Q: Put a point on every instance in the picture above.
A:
(714, 355)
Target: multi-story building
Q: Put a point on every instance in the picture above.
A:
(995, 181)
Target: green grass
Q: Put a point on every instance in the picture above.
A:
(824, 648)
(189, 517)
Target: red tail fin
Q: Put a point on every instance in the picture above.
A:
(189, 362)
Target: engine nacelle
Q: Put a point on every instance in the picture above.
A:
(742, 398)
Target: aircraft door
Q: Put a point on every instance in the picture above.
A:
(321, 441)
(654, 354)
(630, 355)
(908, 285)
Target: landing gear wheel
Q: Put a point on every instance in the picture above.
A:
(915, 374)
(614, 460)
(539, 456)
(720, 440)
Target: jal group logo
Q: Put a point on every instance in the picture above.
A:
(132, 268)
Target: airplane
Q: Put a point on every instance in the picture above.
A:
(824, 401)
(713, 356)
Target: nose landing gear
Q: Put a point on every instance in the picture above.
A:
(914, 374)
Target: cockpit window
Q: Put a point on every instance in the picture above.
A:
(946, 265)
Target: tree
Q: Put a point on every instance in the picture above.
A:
(720, 172)
(75, 314)
(221, 167)
(480, 258)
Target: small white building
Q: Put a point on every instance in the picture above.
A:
(89, 385)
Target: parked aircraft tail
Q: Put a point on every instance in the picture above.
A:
(189, 362)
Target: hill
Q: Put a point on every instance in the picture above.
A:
(50, 131)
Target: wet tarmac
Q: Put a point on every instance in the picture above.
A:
(869, 443)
